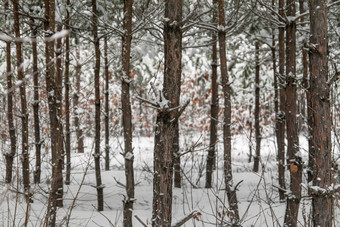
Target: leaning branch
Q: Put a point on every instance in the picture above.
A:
(185, 219)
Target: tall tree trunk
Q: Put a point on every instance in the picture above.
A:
(52, 90)
(59, 98)
(306, 87)
(276, 91)
(23, 102)
(127, 116)
(99, 186)
(10, 91)
(280, 114)
(257, 110)
(107, 111)
(211, 159)
(67, 98)
(322, 204)
(79, 130)
(228, 174)
(36, 103)
(167, 116)
(294, 160)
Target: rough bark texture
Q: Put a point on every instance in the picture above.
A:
(10, 91)
(322, 205)
(36, 102)
(257, 110)
(99, 186)
(79, 130)
(167, 118)
(306, 87)
(280, 114)
(23, 103)
(293, 158)
(231, 192)
(211, 159)
(107, 111)
(67, 98)
(126, 107)
(59, 99)
(55, 199)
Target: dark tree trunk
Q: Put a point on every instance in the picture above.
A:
(276, 91)
(99, 186)
(53, 87)
(211, 159)
(59, 98)
(293, 159)
(127, 116)
(167, 116)
(280, 114)
(67, 98)
(322, 204)
(79, 130)
(36, 102)
(305, 84)
(231, 191)
(107, 111)
(177, 158)
(10, 91)
(23, 102)
(257, 110)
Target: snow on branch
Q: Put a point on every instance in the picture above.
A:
(193, 214)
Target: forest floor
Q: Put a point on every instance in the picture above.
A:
(258, 198)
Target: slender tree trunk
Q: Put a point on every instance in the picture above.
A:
(231, 191)
(250, 145)
(276, 90)
(23, 114)
(36, 103)
(322, 204)
(10, 91)
(53, 89)
(59, 98)
(107, 111)
(99, 186)
(305, 84)
(280, 114)
(294, 160)
(67, 98)
(257, 110)
(127, 116)
(79, 130)
(177, 158)
(211, 159)
(167, 116)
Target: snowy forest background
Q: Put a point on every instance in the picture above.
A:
(92, 94)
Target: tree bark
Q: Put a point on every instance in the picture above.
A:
(167, 116)
(67, 98)
(53, 87)
(59, 98)
(231, 191)
(257, 110)
(35, 104)
(294, 160)
(23, 102)
(99, 185)
(10, 91)
(127, 116)
(79, 130)
(322, 204)
(280, 114)
(107, 111)
(211, 159)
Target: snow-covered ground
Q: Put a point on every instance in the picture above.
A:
(257, 195)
